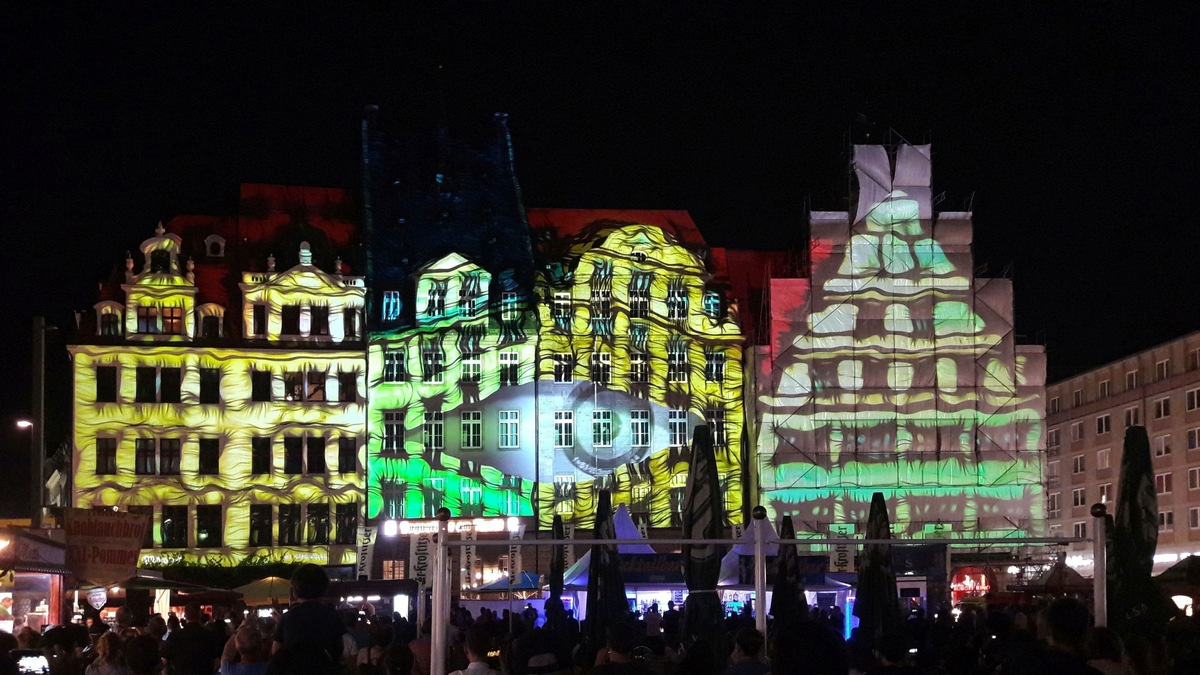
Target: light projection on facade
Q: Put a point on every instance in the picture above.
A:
(247, 446)
(891, 368)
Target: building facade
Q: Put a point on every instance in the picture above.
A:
(1087, 414)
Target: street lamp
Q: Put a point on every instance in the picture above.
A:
(24, 424)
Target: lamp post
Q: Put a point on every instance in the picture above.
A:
(37, 423)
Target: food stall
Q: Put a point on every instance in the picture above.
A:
(32, 568)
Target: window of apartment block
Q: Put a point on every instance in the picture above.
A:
(347, 387)
(1077, 398)
(435, 304)
(1078, 464)
(210, 385)
(170, 456)
(350, 323)
(346, 529)
(601, 307)
(1052, 469)
(1193, 360)
(1194, 517)
(433, 431)
(1162, 445)
(145, 457)
(433, 365)
(510, 429)
(677, 362)
(639, 427)
(602, 428)
(1077, 431)
(639, 296)
(314, 454)
(472, 367)
(258, 321)
(317, 525)
(393, 430)
(1053, 441)
(290, 522)
(161, 385)
(293, 455)
(389, 306)
(564, 365)
(1162, 408)
(110, 325)
(1106, 493)
(714, 368)
(1079, 497)
(716, 423)
(208, 527)
(291, 320)
(677, 300)
(564, 429)
(639, 368)
(347, 454)
(1192, 399)
(601, 367)
(318, 323)
(469, 294)
(1131, 380)
(1133, 417)
(1104, 458)
(1054, 405)
(1166, 521)
(1102, 389)
(209, 456)
(1079, 530)
(106, 384)
(1194, 478)
(472, 429)
(471, 493)
(510, 307)
(677, 425)
(260, 455)
(1193, 438)
(510, 368)
(1162, 370)
(260, 524)
(106, 456)
(173, 530)
(712, 305)
(1163, 483)
(393, 366)
(1052, 505)
(305, 386)
(561, 309)
(147, 319)
(1103, 424)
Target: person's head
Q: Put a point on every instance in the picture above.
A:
(381, 635)
(621, 639)
(747, 644)
(1104, 644)
(124, 617)
(892, 647)
(248, 642)
(477, 644)
(1066, 620)
(156, 626)
(108, 648)
(670, 604)
(141, 655)
(309, 582)
(27, 638)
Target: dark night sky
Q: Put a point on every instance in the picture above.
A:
(1073, 127)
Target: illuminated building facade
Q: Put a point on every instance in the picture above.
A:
(230, 404)
(1087, 415)
(889, 367)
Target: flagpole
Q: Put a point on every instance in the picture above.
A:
(441, 591)
(1099, 565)
(760, 570)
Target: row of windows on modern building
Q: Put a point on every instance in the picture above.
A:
(1160, 410)
(1133, 380)
(313, 524)
(1164, 486)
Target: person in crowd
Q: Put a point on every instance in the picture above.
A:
(477, 646)
(1062, 626)
(311, 630)
(156, 627)
(250, 658)
(109, 657)
(670, 621)
(1104, 651)
(142, 655)
(193, 649)
(617, 657)
(809, 648)
(892, 654)
(747, 656)
(653, 621)
(373, 660)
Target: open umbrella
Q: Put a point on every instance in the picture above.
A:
(702, 519)
(1182, 578)
(787, 595)
(877, 604)
(1132, 595)
(606, 602)
(268, 591)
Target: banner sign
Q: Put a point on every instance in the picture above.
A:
(98, 597)
(103, 546)
(841, 557)
(468, 560)
(420, 550)
(366, 551)
(569, 549)
(514, 556)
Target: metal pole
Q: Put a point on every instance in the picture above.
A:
(37, 437)
(440, 595)
(760, 570)
(1099, 565)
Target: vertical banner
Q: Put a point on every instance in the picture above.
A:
(738, 530)
(468, 559)
(569, 549)
(103, 546)
(420, 552)
(841, 557)
(642, 528)
(366, 551)
(514, 555)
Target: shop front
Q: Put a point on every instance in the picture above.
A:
(31, 580)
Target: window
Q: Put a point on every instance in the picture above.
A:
(1162, 370)
(1193, 439)
(676, 362)
(160, 261)
(1077, 431)
(1193, 360)
(472, 367)
(106, 384)
(436, 300)
(561, 308)
(210, 385)
(145, 457)
(289, 524)
(1133, 417)
(1102, 389)
(347, 524)
(602, 310)
(1052, 440)
(510, 309)
(602, 430)
(510, 429)
(317, 530)
(258, 321)
(106, 456)
(389, 307)
(1194, 517)
(350, 323)
(169, 456)
(1163, 483)
(260, 455)
(564, 429)
(393, 366)
(469, 294)
(1162, 445)
(678, 426)
(347, 387)
(716, 424)
(260, 525)
(293, 455)
(110, 325)
(1078, 464)
(1080, 530)
(291, 320)
(1166, 521)
(712, 305)
(1131, 380)
(432, 431)
(1052, 469)
(1054, 405)
(160, 385)
(315, 446)
(393, 430)
(210, 456)
(1191, 400)
(173, 531)
(318, 320)
(564, 366)
(347, 454)
(1077, 398)
(147, 319)
(1194, 478)
(208, 527)
(172, 320)
(1103, 424)
(1052, 505)
(260, 385)
(714, 368)
(639, 297)
(1079, 497)
(677, 300)
(433, 365)
(472, 429)
(1162, 408)
(210, 327)
(471, 493)
(1106, 493)
(639, 426)
(1103, 458)
(639, 368)
(305, 386)
(510, 368)
(601, 367)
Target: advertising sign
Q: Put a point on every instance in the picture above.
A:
(468, 560)
(420, 550)
(103, 546)
(366, 551)
(841, 557)
(514, 556)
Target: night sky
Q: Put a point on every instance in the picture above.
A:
(1070, 130)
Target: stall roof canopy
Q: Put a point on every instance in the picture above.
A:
(25, 551)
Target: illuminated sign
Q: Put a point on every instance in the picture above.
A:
(407, 527)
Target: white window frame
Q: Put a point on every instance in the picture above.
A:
(1193, 438)
(1131, 380)
(1194, 517)
(561, 308)
(639, 367)
(1164, 483)
(393, 431)
(602, 428)
(1192, 399)
(639, 428)
(1077, 431)
(716, 424)
(1079, 529)
(677, 364)
(1162, 445)
(1077, 398)
(472, 367)
(1054, 505)
(394, 366)
(471, 492)
(1054, 406)
(714, 369)
(1162, 370)
(433, 431)
(389, 306)
(1166, 520)
(510, 312)
(1102, 389)
(510, 430)
(1079, 497)
(564, 429)
(677, 303)
(510, 361)
(1106, 493)
(1078, 465)
(1104, 458)
(471, 429)
(1133, 416)
(436, 361)
(1194, 478)
(1162, 407)
(1103, 424)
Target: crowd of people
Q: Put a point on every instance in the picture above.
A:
(313, 636)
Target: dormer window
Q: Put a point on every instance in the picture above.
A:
(214, 246)
(147, 319)
(320, 321)
(291, 320)
(210, 327)
(109, 319)
(436, 306)
(172, 320)
(469, 298)
(110, 324)
(160, 261)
